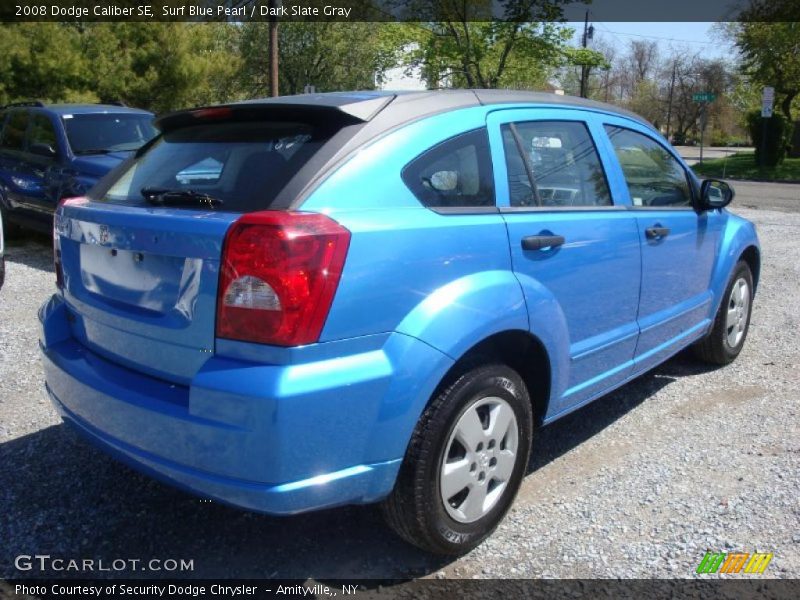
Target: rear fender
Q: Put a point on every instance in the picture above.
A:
(461, 314)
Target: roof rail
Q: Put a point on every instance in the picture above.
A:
(114, 103)
(20, 104)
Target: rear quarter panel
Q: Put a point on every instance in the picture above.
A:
(434, 276)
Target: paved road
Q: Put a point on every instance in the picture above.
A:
(784, 197)
(691, 154)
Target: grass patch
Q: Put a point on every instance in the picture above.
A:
(742, 165)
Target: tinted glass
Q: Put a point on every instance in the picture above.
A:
(41, 131)
(14, 131)
(109, 132)
(456, 173)
(244, 164)
(564, 167)
(654, 176)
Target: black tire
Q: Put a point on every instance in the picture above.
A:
(415, 509)
(715, 348)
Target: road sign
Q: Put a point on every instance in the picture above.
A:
(704, 97)
(767, 99)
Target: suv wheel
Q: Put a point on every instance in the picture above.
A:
(465, 462)
(726, 339)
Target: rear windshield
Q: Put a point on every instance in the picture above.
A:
(243, 165)
(100, 133)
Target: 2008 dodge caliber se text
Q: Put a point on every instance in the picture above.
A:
(310, 301)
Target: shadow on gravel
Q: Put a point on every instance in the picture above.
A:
(572, 430)
(34, 250)
(61, 497)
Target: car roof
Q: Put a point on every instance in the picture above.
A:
(79, 109)
(367, 115)
(378, 105)
(76, 109)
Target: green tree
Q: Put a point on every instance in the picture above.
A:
(161, 66)
(332, 56)
(770, 53)
(521, 49)
(42, 61)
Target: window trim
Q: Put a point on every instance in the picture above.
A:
(540, 209)
(689, 180)
(465, 210)
(582, 208)
(457, 210)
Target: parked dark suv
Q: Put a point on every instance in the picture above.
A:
(50, 152)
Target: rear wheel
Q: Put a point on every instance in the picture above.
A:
(465, 462)
(732, 322)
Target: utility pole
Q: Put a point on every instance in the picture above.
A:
(588, 33)
(671, 89)
(273, 47)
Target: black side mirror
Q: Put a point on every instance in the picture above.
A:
(45, 150)
(715, 194)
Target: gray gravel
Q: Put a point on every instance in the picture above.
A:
(639, 484)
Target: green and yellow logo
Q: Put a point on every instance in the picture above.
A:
(734, 562)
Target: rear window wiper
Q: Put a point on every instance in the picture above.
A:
(178, 197)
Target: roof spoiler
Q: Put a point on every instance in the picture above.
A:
(344, 109)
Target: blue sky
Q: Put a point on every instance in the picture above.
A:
(694, 36)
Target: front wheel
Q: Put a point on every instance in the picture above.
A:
(726, 339)
(465, 462)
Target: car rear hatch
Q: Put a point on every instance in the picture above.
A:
(140, 255)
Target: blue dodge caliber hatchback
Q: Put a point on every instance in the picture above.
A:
(310, 301)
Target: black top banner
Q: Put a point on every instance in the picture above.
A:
(399, 10)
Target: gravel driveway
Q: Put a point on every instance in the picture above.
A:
(639, 484)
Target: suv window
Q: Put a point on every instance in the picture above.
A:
(243, 163)
(563, 167)
(654, 176)
(455, 173)
(41, 131)
(14, 131)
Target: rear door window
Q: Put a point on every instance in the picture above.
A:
(553, 164)
(243, 164)
(455, 173)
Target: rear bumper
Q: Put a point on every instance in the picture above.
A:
(275, 438)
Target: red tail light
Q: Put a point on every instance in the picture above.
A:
(279, 273)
